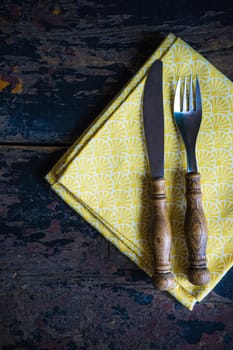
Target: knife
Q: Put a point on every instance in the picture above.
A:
(153, 120)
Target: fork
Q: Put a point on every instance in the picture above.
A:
(188, 120)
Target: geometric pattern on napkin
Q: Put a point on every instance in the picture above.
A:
(105, 175)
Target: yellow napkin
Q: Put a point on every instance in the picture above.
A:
(104, 175)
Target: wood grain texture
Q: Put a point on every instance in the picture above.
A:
(61, 63)
(64, 313)
(196, 231)
(62, 285)
(161, 237)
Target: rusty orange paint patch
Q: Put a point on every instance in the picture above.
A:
(18, 88)
(3, 84)
(15, 83)
(56, 10)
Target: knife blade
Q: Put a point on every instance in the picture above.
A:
(153, 119)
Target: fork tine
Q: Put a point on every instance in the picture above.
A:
(198, 95)
(177, 97)
(185, 96)
(191, 94)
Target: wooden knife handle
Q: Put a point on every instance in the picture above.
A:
(195, 228)
(162, 278)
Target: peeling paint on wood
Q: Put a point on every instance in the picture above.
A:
(63, 286)
(70, 63)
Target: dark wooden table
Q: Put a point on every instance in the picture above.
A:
(63, 286)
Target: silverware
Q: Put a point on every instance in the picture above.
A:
(188, 115)
(153, 118)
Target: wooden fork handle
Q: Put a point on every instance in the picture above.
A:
(195, 228)
(162, 277)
